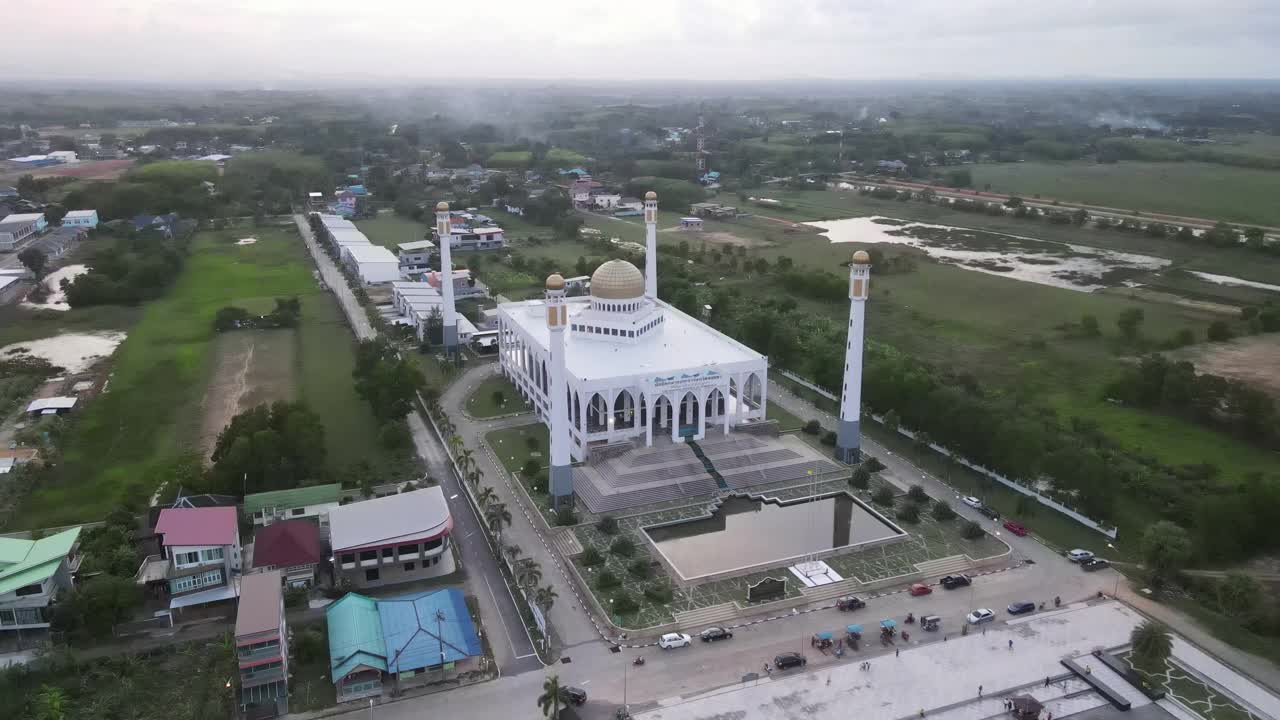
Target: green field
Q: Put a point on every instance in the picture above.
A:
(481, 403)
(389, 230)
(153, 406)
(1213, 192)
(511, 159)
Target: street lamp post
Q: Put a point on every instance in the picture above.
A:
(1115, 592)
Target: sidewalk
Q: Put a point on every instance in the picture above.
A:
(1259, 669)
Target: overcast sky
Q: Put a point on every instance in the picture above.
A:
(286, 42)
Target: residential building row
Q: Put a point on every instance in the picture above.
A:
(16, 228)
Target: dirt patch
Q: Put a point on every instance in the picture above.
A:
(250, 368)
(73, 352)
(714, 237)
(1254, 360)
(1174, 299)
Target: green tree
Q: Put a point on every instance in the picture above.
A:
(972, 530)
(917, 494)
(1089, 326)
(882, 496)
(1166, 548)
(861, 477)
(497, 517)
(1129, 322)
(544, 597)
(1152, 643)
(909, 512)
(35, 260)
(891, 421)
(274, 447)
(608, 525)
(1219, 331)
(591, 556)
(486, 496)
(528, 573)
(942, 511)
(622, 546)
(549, 700)
(1239, 595)
(51, 703)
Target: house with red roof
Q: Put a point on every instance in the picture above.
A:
(290, 546)
(201, 547)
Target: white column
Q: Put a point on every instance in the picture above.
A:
(725, 392)
(651, 245)
(445, 234)
(675, 418)
(764, 394)
(649, 420)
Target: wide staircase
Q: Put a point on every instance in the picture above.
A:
(708, 465)
(710, 615)
(950, 565)
(832, 590)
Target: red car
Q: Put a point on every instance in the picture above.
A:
(1016, 528)
(920, 589)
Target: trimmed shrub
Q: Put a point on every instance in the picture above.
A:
(972, 530)
(622, 546)
(861, 477)
(639, 568)
(812, 427)
(608, 525)
(624, 604)
(873, 464)
(660, 594)
(942, 511)
(882, 496)
(917, 494)
(591, 556)
(607, 580)
(909, 512)
(566, 516)
(828, 438)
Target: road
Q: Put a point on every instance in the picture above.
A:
(513, 650)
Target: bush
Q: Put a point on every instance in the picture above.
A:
(622, 546)
(917, 494)
(812, 427)
(309, 645)
(972, 530)
(296, 597)
(828, 438)
(873, 464)
(639, 568)
(607, 580)
(861, 477)
(531, 442)
(591, 556)
(624, 604)
(909, 512)
(538, 483)
(660, 593)
(882, 496)
(395, 435)
(943, 511)
(565, 516)
(1219, 331)
(608, 525)
(530, 468)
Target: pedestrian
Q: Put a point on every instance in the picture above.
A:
(1010, 643)
(1046, 681)
(979, 691)
(1050, 717)
(897, 652)
(921, 712)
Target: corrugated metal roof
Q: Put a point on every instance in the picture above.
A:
(260, 603)
(198, 526)
(23, 562)
(287, 543)
(410, 626)
(296, 497)
(355, 635)
(390, 519)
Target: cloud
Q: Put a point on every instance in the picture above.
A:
(262, 42)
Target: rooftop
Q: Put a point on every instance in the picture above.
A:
(23, 562)
(198, 526)
(260, 606)
(679, 343)
(416, 245)
(79, 214)
(296, 497)
(399, 633)
(287, 543)
(371, 253)
(355, 635)
(21, 218)
(390, 520)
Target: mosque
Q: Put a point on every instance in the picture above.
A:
(620, 369)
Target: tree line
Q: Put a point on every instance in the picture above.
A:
(285, 315)
(130, 269)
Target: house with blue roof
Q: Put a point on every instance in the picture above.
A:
(406, 640)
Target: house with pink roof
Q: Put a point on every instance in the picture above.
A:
(201, 547)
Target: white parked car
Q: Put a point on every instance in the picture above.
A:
(979, 616)
(1079, 556)
(674, 640)
(971, 501)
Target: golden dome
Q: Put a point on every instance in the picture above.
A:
(555, 281)
(861, 258)
(617, 280)
(442, 206)
(651, 195)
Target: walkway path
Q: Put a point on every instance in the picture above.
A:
(1258, 668)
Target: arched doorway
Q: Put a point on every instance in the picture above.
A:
(624, 411)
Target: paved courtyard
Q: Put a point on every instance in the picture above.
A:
(942, 679)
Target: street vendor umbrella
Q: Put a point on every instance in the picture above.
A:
(888, 623)
(1025, 706)
(853, 628)
(824, 635)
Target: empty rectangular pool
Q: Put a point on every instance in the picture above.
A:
(749, 532)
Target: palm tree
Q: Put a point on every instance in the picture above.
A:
(475, 476)
(1152, 644)
(496, 516)
(549, 700)
(528, 573)
(512, 552)
(455, 442)
(486, 496)
(544, 598)
(51, 703)
(466, 459)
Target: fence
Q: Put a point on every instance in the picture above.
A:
(1088, 522)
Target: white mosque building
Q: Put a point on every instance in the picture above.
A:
(627, 366)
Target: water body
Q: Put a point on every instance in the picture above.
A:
(1063, 265)
(1233, 281)
(746, 532)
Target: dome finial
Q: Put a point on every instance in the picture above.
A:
(651, 195)
(861, 258)
(442, 206)
(617, 280)
(555, 281)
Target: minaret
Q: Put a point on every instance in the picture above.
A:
(561, 478)
(651, 245)
(848, 439)
(445, 236)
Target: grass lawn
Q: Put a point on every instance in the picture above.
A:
(153, 406)
(390, 229)
(786, 421)
(513, 448)
(1216, 192)
(483, 404)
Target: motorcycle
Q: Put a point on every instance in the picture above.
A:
(638, 661)
(911, 618)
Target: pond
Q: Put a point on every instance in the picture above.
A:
(1064, 265)
(747, 532)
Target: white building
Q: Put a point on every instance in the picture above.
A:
(420, 302)
(80, 218)
(66, 156)
(479, 238)
(415, 256)
(395, 539)
(18, 227)
(373, 263)
(634, 367)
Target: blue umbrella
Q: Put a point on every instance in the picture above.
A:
(888, 623)
(823, 635)
(853, 628)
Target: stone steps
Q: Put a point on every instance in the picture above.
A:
(951, 565)
(566, 541)
(697, 619)
(832, 591)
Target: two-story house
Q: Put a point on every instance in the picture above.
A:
(32, 575)
(312, 501)
(416, 256)
(202, 550)
(262, 646)
(392, 540)
(290, 546)
(80, 218)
